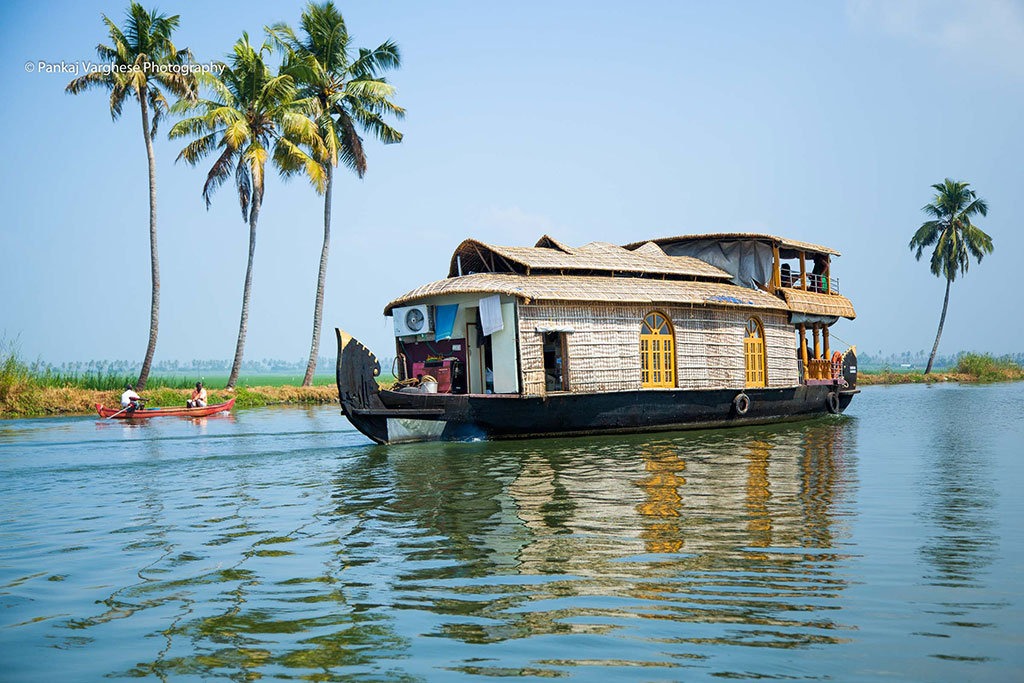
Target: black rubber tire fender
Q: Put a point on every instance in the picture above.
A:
(832, 402)
(741, 404)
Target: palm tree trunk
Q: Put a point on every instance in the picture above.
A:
(154, 306)
(318, 307)
(942, 321)
(236, 366)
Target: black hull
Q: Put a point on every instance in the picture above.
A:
(391, 417)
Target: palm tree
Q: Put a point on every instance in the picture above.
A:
(137, 56)
(955, 237)
(350, 94)
(249, 112)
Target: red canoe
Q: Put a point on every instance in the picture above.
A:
(120, 413)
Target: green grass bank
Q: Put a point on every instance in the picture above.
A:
(970, 367)
(29, 391)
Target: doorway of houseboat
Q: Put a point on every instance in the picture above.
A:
(479, 357)
(556, 375)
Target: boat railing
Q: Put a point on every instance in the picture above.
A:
(821, 284)
(821, 368)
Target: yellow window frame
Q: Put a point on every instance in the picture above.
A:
(755, 361)
(657, 352)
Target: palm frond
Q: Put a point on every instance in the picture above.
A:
(350, 151)
(237, 134)
(385, 57)
(117, 97)
(955, 238)
(975, 207)
(283, 37)
(196, 150)
(243, 183)
(106, 53)
(925, 236)
(93, 79)
(292, 161)
(219, 172)
(374, 123)
(369, 89)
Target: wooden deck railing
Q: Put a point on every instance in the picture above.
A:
(815, 283)
(822, 369)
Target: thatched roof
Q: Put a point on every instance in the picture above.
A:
(817, 303)
(551, 256)
(593, 288)
(782, 242)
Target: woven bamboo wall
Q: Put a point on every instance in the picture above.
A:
(597, 354)
(604, 347)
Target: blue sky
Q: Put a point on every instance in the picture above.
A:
(821, 121)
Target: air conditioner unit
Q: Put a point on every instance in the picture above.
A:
(412, 320)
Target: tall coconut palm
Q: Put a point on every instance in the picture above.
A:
(137, 57)
(248, 112)
(955, 237)
(350, 95)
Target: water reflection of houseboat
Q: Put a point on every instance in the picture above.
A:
(699, 330)
(740, 529)
(706, 499)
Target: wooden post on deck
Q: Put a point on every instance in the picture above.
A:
(776, 268)
(817, 343)
(803, 347)
(824, 340)
(803, 271)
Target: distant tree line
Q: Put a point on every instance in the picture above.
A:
(126, 368)
(918, 360)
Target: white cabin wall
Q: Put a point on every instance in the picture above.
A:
(503, 353)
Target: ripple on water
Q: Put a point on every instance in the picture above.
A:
(279, 545)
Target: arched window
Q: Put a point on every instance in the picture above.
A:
(657, 352)
(754, 356)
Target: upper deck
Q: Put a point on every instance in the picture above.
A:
(787, 274)
(799, 272)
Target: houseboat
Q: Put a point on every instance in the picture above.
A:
(692, 331)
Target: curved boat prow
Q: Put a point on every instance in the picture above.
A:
(358, 390)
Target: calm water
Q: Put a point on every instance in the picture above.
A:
(885, 545)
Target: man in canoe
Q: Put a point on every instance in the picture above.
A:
(130, 400)
(198, 399)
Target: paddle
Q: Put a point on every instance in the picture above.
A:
(117, 413)
(127, 407)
